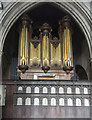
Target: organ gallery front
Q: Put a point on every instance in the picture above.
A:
(44, 56)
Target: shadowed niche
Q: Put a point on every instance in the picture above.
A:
(81, 73)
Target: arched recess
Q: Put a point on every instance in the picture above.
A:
(12, 12)
(81, 73)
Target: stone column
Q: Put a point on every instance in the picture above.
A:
(1, 66)
(90, 60)
(1, 83)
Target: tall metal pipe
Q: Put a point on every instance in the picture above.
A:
(45, 36)
(24, 43)
(65, 25)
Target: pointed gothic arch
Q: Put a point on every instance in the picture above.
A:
(14, 12)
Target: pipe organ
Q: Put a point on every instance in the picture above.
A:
(45, 52)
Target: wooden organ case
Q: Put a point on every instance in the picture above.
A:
(44, 57)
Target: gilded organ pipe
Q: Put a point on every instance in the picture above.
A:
(67, 47)
(45, 50)
(52, 53)
(31, 53)
(45, 37)
(35, 55)
(59, 54)
(39, 54)
(24, 44)
(56, 55)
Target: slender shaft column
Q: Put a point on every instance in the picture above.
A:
(90, 60)
(1, 66)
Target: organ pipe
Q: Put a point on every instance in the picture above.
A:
(55, 55)
(59, 54)
(67, 44)
(52, 54)
(45, 36)
(24, 44)
(39, 54)
(31, 53)
(34, 55)
(45, 52)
